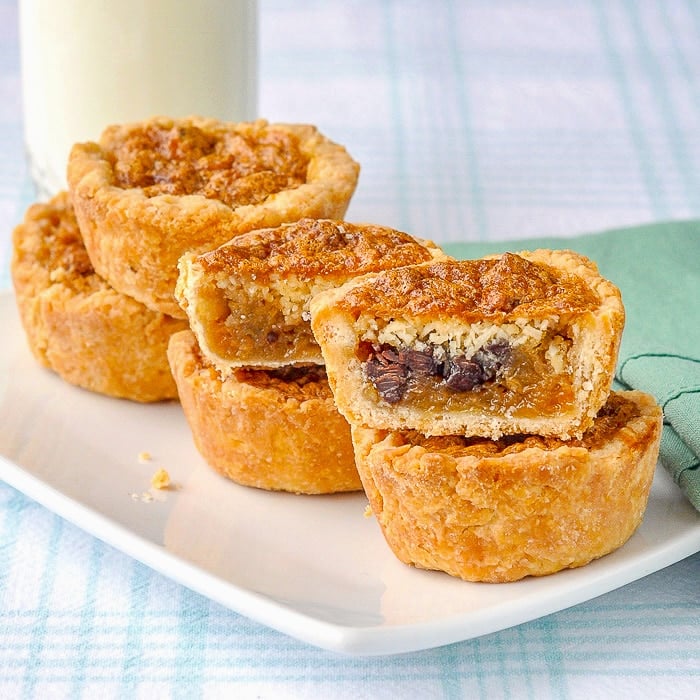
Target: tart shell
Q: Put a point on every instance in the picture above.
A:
(499, 511)
(76, 323)
(266, 433)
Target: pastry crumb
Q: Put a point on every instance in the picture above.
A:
(368, 511)
(144, 457)
(161, 479)
(159, 484)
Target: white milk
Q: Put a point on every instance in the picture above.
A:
(90, 63)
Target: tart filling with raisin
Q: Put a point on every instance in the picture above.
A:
(516, 343)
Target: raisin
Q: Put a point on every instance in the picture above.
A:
(420, 362)
(388, 355)
(462, 374)
(492, 358)
(389, 379)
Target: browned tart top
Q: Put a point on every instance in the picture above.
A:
(302, 383)
(507, 287)
(50, 237)
(234, 166)
(312, 248)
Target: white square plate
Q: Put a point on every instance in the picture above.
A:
(314, 567)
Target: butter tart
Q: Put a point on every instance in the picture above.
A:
(150, 191)
(248, 300)
(276, 430)
(516, 343)
(76, 324)
(498, 511)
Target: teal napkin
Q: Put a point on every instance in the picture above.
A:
(657, 268)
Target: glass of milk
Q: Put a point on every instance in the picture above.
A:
(90, 63)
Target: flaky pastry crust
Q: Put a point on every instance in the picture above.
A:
(76, 324)
(248, 300)
(259, 429)
(150, 191)
(498, 511)
(518, 343)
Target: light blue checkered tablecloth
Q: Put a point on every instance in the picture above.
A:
(472, 120)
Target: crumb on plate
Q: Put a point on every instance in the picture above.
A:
(161, 479)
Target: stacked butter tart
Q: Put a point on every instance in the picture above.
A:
(486, 434)
(250, 373)
(94, 269)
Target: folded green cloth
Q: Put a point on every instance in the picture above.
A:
(657, 268)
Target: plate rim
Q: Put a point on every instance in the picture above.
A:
(357, 640)
(363, 640)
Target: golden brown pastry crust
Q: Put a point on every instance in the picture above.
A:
(247, 301)
(76, 324)
(550, 323)
(136, 226)
(262, 431)
(500, 288)
(500, 511)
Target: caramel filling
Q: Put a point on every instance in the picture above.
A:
(247, 328)
(497, 378)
